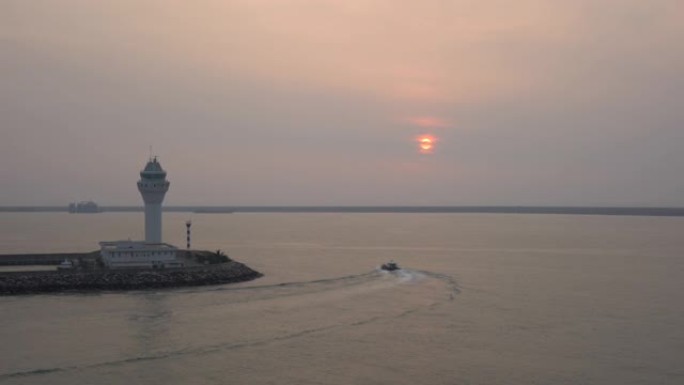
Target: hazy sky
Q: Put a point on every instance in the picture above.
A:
(321, 102)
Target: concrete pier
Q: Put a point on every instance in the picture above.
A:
(45, 258)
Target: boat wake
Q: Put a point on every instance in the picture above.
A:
(183, 323)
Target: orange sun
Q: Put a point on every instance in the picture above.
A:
(426, 144)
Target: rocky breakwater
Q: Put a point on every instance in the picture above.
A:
(33, 282)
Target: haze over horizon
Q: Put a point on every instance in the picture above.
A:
(302, 102)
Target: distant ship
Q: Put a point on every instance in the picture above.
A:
(84, 207)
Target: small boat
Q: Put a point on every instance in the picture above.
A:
(65, 265)
(390, 266)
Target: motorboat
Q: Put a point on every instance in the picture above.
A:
(390, 266)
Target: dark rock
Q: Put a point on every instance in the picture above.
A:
(31, 282)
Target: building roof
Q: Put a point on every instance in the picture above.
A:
(135, 245)
(153, 170)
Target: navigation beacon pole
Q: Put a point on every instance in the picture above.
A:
(187, 225)
(153, 187)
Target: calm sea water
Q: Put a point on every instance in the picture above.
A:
(483, 299)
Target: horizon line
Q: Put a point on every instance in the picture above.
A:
(493, 209)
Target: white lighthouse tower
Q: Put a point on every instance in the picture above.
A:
(153, 187)
(150, 253)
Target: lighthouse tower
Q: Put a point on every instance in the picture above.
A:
(151, 253)
(153, 187)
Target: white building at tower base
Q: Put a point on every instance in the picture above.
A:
(138, 254)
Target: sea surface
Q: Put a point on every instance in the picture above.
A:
(482, 299)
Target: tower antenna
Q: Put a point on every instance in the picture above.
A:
(150, 152)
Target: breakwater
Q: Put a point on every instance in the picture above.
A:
(34, 282)
(46, 258)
